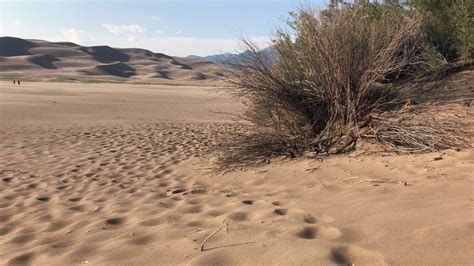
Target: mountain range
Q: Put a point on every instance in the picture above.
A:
(229, 58)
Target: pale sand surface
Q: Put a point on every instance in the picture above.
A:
(109, 174)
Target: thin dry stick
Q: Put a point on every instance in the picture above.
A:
(225, 224)
(322, 184)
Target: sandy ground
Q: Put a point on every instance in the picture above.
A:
(108, 174)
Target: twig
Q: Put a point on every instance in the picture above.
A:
(349, 178)
(439, 157)
(225, 224)
(322, 183)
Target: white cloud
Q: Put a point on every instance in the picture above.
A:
(123, 29)
(17, 22)
(179, 32)
(72, 35)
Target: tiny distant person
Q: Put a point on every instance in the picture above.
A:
(18, 82)
(14, 82)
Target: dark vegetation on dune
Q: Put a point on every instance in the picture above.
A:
(353, 72)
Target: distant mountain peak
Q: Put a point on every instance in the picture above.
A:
(229, 58)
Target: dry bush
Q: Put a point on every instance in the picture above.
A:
(327, 88)
(422, 128)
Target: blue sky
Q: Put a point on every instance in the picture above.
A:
(180, 27)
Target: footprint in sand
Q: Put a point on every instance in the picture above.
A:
(22, 239)
(76, 199)
(43, 198)
(248, 202)
(239, 216)
(55, 226)
(276, 203)
(280, 211)
(309, 219)
(193, 209)
(350, 255)
(178, 191)
(318, 232)
(22, 259)
(32, 186)
(199, 191)
(307, 233)
(115, 221)
(5, 230)
(142, 240)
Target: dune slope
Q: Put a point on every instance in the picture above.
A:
(38, 59)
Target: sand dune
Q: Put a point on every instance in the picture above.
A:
(15, 46)
(57, 51)
(44, 60)
(119, 174)
(114, 69)
(38, 59)
(106, 54)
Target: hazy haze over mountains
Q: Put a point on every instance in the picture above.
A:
(225, 58)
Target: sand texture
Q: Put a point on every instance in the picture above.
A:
(110, 174)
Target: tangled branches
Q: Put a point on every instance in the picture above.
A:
(341, 79)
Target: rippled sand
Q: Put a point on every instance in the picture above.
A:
(109, 174)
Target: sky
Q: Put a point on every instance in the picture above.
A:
(179, 27)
